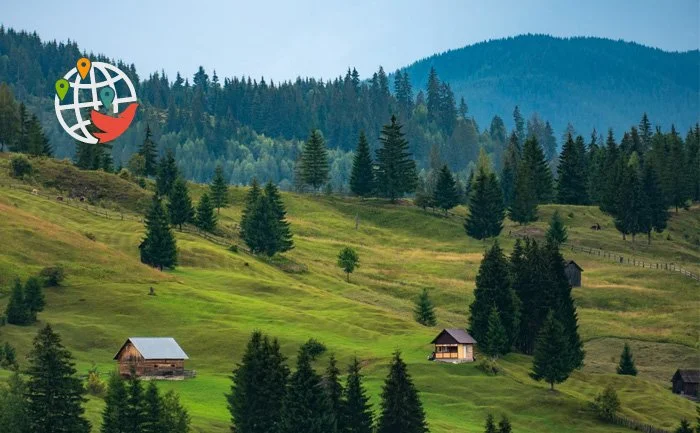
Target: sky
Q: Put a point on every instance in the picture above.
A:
(281, 40)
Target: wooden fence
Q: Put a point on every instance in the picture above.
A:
(636, 425)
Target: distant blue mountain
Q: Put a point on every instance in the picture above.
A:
(590, 82)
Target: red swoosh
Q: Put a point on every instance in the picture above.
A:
(112, 127)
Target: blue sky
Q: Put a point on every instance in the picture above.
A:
(284, 39)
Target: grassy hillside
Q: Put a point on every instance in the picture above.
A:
(216, 298)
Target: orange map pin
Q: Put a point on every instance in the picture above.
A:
(83, 67)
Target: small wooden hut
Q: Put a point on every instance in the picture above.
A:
(573, 273)
(151, 357)
(685, 382)
(453, 345)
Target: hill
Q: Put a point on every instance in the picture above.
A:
(216, 298)
(589, 82)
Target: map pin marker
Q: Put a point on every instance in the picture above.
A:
(62, 87)
(83, 66)
(107, 96)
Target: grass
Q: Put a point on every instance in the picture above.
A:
(213, 301)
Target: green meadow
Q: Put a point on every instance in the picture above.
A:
(216, 298)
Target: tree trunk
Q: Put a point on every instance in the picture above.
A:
(551, 386)
(649, 237)
(347, 275)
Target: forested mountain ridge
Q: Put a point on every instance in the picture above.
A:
(589, 82)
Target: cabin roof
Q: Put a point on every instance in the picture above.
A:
(687, 375)
(459, 335)
(571, 262)
(155, 348)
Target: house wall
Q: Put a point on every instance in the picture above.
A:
(153, 367)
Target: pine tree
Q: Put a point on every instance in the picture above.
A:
(645, 132)
(33, 297)
(656, 207)
(523, 207)
(536, 166)
(557, 230)
(626, 366)
(519, 124)
(152, 421)
(630, 209)
(433, 97)
(504, 425)
(357, 411)
(306, 407)
(348, 260)
(572, 173)
(401, 408)
(180, 209)
(54, 393)
(485, 207)
(283, 234)
(446, 196)
(684, 427)
(496, 342)
(149, 152)
(490, 426)
(158, 249)
(511, 161)
(16, 311)
(612, 175)
(259, 387)
(174, 417)
(219, 189)
(314, 161)
(205, 219)
(9, 117)
(13, 407)
(493, 289)
(551, 357)
(334, 394)
(37, 142)
(362, 176)
(135, 408)
(424, 311)
(396, 173)
(114, 415)
(166, 174)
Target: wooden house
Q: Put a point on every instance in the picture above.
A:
(573, 273)
(453, 345)
(151, 357)
(685, 382)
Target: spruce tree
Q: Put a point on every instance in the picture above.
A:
(493, 289)
(153, 411)
(486, 210)
(314, 161)
(33, 297)
(166, 174)
(557, 230)
(424, 311)
(16, 311)
(174, 417)
(612, 175)
(14, 417)
(511, 159)
(334, 394)
(684, 427)
(396, 172)
(446, 196)
(180, 208)
(496, 342)
(362, 176)
(135, 407)
(504, 425)
(490, 426)
(306, 407)
(357, 411)
(572, 173)
(537, 167)
(115, 412)
(523, 207)
(401, 408)
(551, 357)
(626, 365)
(54, 393)
(37, 142)
(251, 200)
(205, 219)
(219, 189)
(281, 228)
(158, 249)
(656, 207)
(149, 152)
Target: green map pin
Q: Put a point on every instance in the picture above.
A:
(62, 87)
(107, 96)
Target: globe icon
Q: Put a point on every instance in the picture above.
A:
(73, 110)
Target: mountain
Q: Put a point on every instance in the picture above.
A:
(590, 82)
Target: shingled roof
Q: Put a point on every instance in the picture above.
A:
(687, 375)
(460, 336)
(156, 348)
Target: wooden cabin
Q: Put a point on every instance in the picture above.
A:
(161, 357)
(685, 382)
(453, 345)
(573, 273)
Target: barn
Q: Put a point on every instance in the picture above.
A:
(453, 345)
(573, 273)
(685, 382)
(151, 357)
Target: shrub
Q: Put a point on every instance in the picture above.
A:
(19, 166)
(314, 348)
(606, 404)
(90, 236)
(95, 386)
(233, 248)
(489, 366)
(8, 357)
(52, 275)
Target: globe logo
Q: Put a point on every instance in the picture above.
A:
(95, 102)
